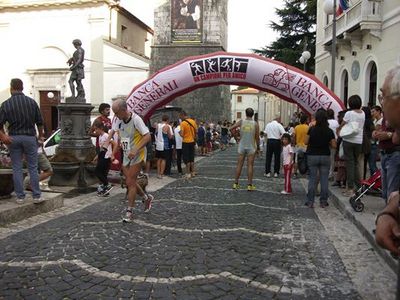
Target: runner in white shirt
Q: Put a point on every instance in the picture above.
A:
(178, 146)
(134, 136)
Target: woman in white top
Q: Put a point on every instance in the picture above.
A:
(333, 125)
(352, 144)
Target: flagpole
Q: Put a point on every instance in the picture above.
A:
(333, 52)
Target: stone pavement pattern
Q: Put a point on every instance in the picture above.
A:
(202, 240)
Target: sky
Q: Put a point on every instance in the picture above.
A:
(248, 21)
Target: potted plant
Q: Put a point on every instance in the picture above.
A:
(6, 179)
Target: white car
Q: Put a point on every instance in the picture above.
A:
(52, 142)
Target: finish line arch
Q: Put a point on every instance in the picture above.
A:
(285, 81)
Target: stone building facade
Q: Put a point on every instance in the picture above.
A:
(367, 47)
(209, 103)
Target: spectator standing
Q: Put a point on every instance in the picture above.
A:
(201, 139)
(163, 149)
(390, 159)
(188, 134)
(249, 136)
(22, 114)
(300, 133)
(104, 110)
(377, 117)
(352, 144)
(387, 222)
(319, 140)
(134, 136)
(224, 135)
(340, 161)
(274, 131)
(178, 147)
(104, 158)
(287, 152)
(366, 143)
(333, 125)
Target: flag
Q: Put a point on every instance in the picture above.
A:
(343, 5)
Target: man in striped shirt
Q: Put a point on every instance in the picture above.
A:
(22, 114)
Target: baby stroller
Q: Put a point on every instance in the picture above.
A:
(373, 183)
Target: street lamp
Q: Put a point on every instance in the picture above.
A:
(330, 9)
(305, 56)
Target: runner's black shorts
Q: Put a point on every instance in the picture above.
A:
(188, 150)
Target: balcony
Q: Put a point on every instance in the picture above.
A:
(365, 15)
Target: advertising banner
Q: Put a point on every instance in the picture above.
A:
(186, 21)
(286, 82)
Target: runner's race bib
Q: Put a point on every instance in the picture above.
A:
(125, 144)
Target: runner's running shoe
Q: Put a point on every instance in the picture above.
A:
(236, 186)
(148, 203)
(128, 216)
(251, 187)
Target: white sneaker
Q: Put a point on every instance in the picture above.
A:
(268, 175)
(38, 200)
(276, 175)
(285, 193)
(20, 200)
(148, 203)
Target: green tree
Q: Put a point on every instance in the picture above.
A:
(297, 33)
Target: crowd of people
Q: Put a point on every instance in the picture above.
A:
(343, 148)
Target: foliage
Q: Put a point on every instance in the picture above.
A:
(297, 29)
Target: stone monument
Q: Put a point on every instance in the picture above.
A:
(185, 28)
(72, 162)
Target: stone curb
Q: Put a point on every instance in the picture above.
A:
(349, 213)
(15, 213)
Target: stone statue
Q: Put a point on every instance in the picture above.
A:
(76, 66)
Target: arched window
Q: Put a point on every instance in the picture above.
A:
(372, 86)
(345, 87)
(325, 81)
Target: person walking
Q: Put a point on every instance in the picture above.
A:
(134, 135)
(188, 134)
(22, 113)
(287, 152)
(352, 144)
(319, 140)
(274, 131)
(248, 145)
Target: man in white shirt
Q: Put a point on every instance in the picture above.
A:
(273, 131)
(178, 147)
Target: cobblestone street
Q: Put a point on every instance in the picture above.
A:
(201, 240)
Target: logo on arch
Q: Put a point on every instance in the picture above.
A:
(219, 68)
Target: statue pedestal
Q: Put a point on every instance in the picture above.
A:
(72, 162)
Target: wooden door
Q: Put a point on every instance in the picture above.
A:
(48, 107)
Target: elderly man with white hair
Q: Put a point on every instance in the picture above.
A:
(387, 222)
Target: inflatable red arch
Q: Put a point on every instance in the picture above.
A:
(282, 80)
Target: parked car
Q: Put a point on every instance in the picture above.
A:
(52, 142)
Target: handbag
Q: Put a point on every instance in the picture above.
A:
(349, 129)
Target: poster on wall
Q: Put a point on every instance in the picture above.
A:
(186, 21)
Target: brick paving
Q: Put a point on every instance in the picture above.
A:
(202, 240)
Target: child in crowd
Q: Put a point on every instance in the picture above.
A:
(262, 144)
(104, 159)
(287, 152)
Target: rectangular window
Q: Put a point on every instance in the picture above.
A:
(124, 36)
(239, 115)
(239, 99)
